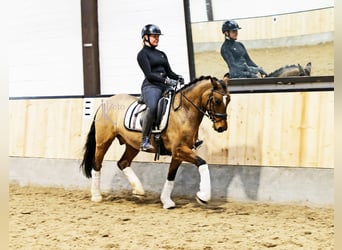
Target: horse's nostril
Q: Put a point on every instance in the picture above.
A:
(220, 129)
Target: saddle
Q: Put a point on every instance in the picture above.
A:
(135, 112)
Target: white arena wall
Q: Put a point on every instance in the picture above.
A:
(310, 27)
(120, 24)
(45, 45)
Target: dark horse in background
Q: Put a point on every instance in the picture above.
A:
(288, 71)
(205, 96)
(292, 70)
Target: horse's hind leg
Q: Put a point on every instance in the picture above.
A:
(100, 151)
(165, 196)
(124, 164)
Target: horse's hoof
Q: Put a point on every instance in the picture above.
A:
(201, 202)
(97, 198)
(139, 196)
(169, 205)
(203, 196)
(138, 192)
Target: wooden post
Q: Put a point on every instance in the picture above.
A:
(91, 68)
(190, 45)
(209, 7)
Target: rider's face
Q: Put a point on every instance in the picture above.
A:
(154, 40)
(233, 34)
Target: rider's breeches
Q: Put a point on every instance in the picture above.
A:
(151, 96)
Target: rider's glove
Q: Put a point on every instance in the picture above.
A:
(253, 70)
(262, 71)
(171, 82)
(180, 80)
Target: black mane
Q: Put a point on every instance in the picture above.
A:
(282, 69)
(201, 78)
(196, 80)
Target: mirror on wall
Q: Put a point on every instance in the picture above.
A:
(289, 32)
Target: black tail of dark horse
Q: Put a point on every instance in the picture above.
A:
(88, 161)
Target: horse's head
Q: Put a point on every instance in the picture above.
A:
(304, 71)
(216, 103)
(307, 69)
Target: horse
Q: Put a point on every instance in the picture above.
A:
(204, 96)
(292, 70)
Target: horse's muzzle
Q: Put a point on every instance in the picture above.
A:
(220, 126)
(221, 129)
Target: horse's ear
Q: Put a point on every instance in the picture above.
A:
(307, 69)
(214, 82)
(226, 79)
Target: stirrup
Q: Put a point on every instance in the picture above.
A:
(146, 145)
(146, 148)
(197, 144)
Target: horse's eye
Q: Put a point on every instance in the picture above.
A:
(218, 101)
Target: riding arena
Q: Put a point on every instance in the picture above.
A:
(262, 179)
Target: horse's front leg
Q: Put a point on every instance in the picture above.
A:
(204, 194)
(186, 154)
(137, 187)
(124, 164)
(165, 196)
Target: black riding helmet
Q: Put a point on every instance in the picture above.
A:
(230, 25)
(150, 29)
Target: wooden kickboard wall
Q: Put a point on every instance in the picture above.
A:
(273, 129)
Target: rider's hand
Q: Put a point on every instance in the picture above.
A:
(171, 82)
(262, 72)
(252, 69)
(180, 80)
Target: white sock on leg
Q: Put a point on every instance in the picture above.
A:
(205, 186)
(165, 196)
(134, 181)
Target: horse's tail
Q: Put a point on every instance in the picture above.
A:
(88, 162)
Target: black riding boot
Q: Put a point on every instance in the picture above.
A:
(146, 131)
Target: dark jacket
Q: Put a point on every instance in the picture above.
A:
(156, 67)
(239, 63)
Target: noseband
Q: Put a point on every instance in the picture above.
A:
(211, 111)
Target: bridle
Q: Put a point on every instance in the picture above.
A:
(209, 112)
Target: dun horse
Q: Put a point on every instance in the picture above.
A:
(206, 96)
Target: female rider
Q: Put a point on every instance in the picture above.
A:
(158, 78)
(235, 54)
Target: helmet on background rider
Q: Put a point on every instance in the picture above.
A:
(230, 25)
(150, 29)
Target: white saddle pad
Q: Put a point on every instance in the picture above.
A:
(133, 117)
